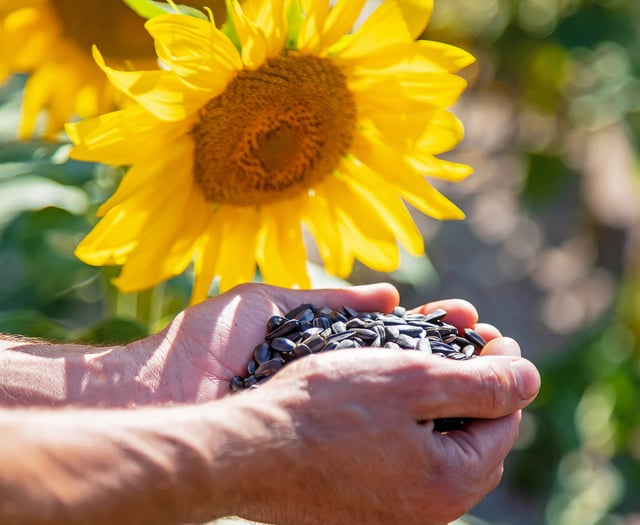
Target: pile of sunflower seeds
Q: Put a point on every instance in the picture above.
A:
(309, 329)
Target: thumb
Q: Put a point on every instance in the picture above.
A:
(487, 387)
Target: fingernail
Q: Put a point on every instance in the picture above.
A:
(527, 377)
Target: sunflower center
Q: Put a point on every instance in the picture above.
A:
(274, 132)
(110, 24)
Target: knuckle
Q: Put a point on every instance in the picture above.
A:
(497, 387)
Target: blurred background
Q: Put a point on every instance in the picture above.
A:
(549, 251)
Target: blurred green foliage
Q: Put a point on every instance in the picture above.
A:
(569, 68)
(574, 65)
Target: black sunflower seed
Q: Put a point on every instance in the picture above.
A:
(308, 329)
(300, 309)
(269, 368)
(274, 322)
(282, 344)
(321, 321)
(262, 353)
(436, 315)
(475, 337)
(288, 326)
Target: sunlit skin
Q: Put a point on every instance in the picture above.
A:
(337, 429)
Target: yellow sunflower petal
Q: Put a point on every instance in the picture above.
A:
(239, 228)
(167, 248)
(61, 104)
(374, 99)
(438, 89)
(438, 168)
(272, 18)
(158, 175)
(92, 98)
(319, 217)
(435, 131)
(159, 92)
(205, 255)
(144, 194)
(387, 205)
(36, 96)
(95, 251)
(410, 184)
(252, 38)
(282, 254)
(195, 50)
(26, 38)
(417, 14)
(422, 135)
(369, 237)
(402, 128)
(385, 26)
(108, 138)
(442, 133)
(423, 56)
(340, 20)
(312, 25)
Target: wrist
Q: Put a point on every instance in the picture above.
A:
(40, 373)
(148, 366)
(256, 470)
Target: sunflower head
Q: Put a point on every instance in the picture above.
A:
(289, 120)
(51, 40)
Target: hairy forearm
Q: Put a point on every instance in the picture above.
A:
(168, 465)
(39, 373)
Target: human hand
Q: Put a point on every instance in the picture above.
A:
(207, 344)
(343, 443)
(197, 355)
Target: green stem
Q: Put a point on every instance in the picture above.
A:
(144, 307)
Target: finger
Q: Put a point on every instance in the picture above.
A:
(483, 442)
(487, 387)
(487, 440)
(381, 297)
(502, 346)
(487, 331)
(460, 313)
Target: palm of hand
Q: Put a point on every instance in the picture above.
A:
(216, 339)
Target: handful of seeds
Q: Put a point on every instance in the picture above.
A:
(309, 329)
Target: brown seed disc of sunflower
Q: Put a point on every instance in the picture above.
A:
(274, 132)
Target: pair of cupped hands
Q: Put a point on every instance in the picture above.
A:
(338, 432)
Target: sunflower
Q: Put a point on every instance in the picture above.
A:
(51, 40)
(292, 121)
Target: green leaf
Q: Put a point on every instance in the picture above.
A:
(150, 8)
(43, 159)
(31, 324)
(229, 28)
(114, 330)
(34, 193)
(548, 181)
(146, 8)
(38, 267)
(295, 17)
(191, 11)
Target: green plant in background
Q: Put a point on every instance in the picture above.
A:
(558, 81)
